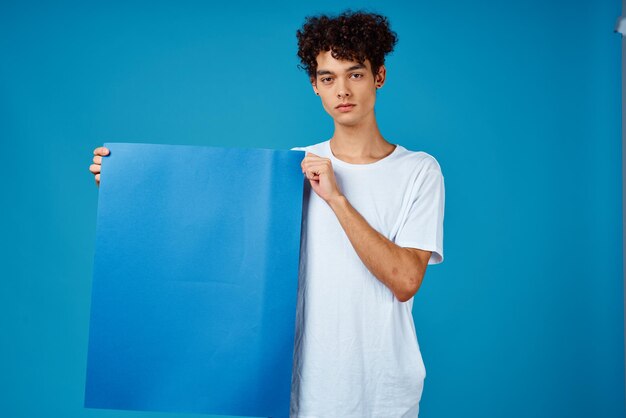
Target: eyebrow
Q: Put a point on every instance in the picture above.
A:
(354, 67)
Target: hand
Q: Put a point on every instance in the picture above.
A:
(97, 162)
(320, 173)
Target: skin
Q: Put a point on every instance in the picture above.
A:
(357, 140)
(98, 153)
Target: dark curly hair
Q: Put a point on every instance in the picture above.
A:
(354, 36)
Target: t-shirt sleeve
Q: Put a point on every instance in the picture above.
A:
(423, 226)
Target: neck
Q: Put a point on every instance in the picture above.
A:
(362, 143)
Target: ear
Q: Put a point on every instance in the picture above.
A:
(314, 85)
(381, 76)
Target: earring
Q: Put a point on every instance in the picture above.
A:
(317, 94)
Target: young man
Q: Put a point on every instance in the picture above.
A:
(373, 221)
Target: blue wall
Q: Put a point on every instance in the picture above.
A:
(519, 102)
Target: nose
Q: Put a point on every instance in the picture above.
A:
(342, 91)
(341, 94)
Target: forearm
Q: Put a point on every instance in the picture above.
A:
(391, 264)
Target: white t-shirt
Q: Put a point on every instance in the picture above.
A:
(356, 352)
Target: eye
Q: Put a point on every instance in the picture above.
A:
(358, 74)
(324, 79)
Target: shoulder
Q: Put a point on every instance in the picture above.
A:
(419, 161)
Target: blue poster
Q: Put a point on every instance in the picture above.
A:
(195, 280)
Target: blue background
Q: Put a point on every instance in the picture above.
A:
(519, 102)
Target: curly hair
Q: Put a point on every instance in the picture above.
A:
(354, 36)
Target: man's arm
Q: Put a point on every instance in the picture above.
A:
(400, 269)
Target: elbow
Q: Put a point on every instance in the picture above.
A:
(410, 280)
(409, 290)
(405, 296)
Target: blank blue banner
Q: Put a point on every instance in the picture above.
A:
(195, 280)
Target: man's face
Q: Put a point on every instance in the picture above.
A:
(341, 82)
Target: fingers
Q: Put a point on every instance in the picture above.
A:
(311, 176)
(95, 168)
(97, 162)
(309, 172)
(101, 151)
(313, 157)
(98, 153)
(309, 162)
(313, 166)
(315, 170)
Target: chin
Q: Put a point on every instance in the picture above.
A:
(347, 122)
(347, 118)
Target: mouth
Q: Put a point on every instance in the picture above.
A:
(345, 107)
